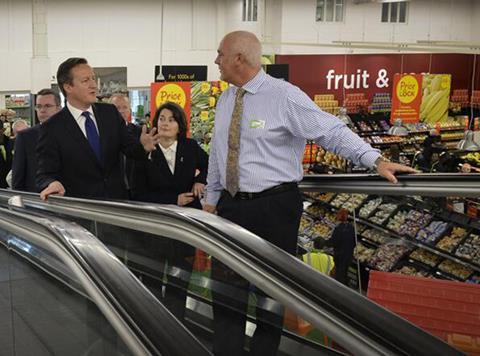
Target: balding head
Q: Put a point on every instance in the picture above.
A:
(247, 44)
(239, 57)
(122, 104)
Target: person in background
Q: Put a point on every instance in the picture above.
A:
(79, 147)
(19, 125)
(175, 173)
(261, 128)
(431, 147)
(121, 102)
(24, 167)
(343, 243)
(6, 148)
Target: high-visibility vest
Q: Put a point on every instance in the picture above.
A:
(320, 261)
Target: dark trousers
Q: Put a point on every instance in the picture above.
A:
(275, 218)
(342, 263)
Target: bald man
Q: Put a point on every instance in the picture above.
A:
(261, 128)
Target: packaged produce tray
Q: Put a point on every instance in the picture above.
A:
(470, 248)
(425, 257)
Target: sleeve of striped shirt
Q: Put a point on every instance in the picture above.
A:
(213, 188)
(306, 120)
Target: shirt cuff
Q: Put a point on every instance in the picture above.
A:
(369, 158)
(212, 197)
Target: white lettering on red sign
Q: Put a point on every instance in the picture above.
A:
(355, 81)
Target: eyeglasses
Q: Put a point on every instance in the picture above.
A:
(46, 106)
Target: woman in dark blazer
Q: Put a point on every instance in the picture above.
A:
(175, 173)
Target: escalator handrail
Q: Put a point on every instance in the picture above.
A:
(145, 325)
(318, 289)
(424, 184)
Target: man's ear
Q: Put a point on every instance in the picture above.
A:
(67, 88)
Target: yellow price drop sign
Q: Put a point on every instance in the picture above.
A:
(171, 92)
(407, 89)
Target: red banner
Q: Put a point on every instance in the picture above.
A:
(372, 73)
(406, 97)
(177, 92)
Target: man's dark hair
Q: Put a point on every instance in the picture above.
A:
(64, 72)
(55, 94)
(178, 115)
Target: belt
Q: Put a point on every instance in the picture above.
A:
(284, 187)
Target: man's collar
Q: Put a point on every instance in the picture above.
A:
(256, 82)
(76, 113)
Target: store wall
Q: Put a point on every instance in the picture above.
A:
(15, 44)
(448, 20)
(128, 33)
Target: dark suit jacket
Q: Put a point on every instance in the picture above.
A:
(64, 154)
(154, 182)
(24, 166)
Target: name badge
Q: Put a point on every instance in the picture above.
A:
(257, 124)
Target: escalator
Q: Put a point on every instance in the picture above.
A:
(144, 237)
(63, 293)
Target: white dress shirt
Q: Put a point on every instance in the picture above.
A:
(170, 153)
(79, 118)
(277, 120)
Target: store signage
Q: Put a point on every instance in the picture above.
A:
(359, 80)
(436, 98)
(182, 73)
(406, 97)
(178, 93)
(369, 74)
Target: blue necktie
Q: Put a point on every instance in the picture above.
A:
(92, 135)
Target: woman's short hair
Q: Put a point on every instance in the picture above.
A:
(342, 215)
(178, 115)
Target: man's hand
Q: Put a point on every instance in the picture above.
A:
(149, 140)
(198, 189)
(388, 169)
(209, 208)
(53, 188)
(185, 199)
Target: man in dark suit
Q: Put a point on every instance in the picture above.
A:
(79, 148)
(24, 165)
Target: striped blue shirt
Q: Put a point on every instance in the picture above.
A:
(277, 120)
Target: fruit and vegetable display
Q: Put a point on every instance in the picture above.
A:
(451, 241)
(204, 97)
(455, 269)
(383, 212)
(432, 232)
(406, 250)
(348, 201)
(376, 236)
(363, 253)
(330, 159)
(470, 249)
(408, 222)
(368, 208)
(411, 270)
(387, 255)
(305, 224)
(425, 257)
